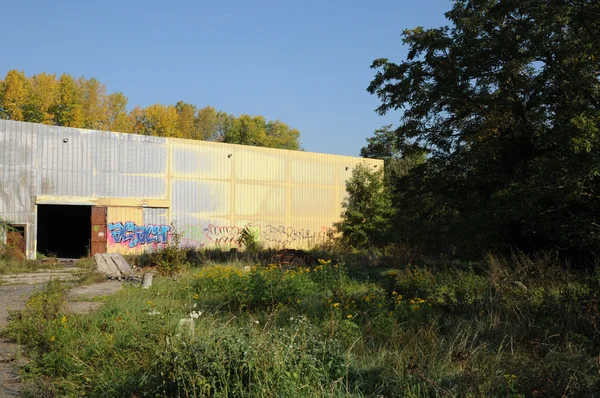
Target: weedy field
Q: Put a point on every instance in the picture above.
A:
(503, 327)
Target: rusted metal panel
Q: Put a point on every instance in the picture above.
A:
(15, 240)
(99, 230)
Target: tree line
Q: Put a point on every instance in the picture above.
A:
(84, 103)
(498, 145)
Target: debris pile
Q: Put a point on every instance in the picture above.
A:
(288, 258)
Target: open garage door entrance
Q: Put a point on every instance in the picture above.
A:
(64, 231)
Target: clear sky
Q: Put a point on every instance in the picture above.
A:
(304, 62)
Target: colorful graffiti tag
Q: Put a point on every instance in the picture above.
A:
(133, 235)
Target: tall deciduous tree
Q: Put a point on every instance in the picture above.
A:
(68, 108)
(42, 96)
(162, 121)
(247, 130)
(187, 120)
(280, 135)
(84, 103)
(367, 210)
(506, 102)
(94, 104)
(207, 123)
(13, 93)
(118, 118)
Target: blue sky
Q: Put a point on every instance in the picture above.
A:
(303, 62)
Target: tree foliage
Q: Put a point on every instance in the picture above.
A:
(84, 103)
(505, 102)
(367, 210)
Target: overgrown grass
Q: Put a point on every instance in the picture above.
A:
(518, 327)
(12, 265)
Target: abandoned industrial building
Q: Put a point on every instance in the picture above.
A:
(74, 192)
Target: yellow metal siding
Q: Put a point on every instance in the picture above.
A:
(117, 216)
(291, 198)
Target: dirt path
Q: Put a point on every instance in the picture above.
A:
(14, 297)
(11, 298)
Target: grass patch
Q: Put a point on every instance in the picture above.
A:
(11, 265)
(518, 327)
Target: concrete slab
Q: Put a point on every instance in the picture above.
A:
(96, 290)
(13, 298)
(37, 278)
(121, 263)
(106, 265)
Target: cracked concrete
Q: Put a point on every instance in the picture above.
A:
(14, 296)
(11, 298)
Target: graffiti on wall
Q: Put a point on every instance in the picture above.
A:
(133, 235)
(287, 235)
(223, 235)
(229, 235)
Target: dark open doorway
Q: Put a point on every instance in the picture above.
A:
(64, 230)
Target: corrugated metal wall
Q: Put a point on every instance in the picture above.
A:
(210, 190)
(157, 217)
(18, 171)
(121, 223)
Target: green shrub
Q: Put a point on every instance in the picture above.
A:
(250, 239)
(171, 259)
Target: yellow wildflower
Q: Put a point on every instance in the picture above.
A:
(336, 306)
(52, 338)
(349, 316)
(63, 319)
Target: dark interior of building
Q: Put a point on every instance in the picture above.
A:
(64, 231)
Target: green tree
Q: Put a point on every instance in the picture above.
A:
(247, 130)
(367, 210)
(207, 124)
(506, 104)
(256, 131)
(280, 135)
(224, 123)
